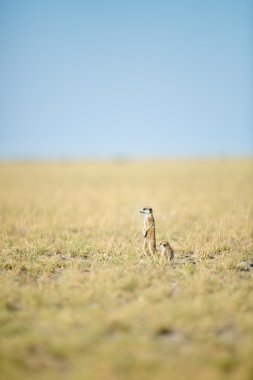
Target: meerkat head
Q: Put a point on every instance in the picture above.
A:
(163, 245)
(147, 211)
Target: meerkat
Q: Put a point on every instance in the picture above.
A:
(166, 250)
(149, 245)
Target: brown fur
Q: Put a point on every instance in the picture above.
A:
(149, 246)
(166, 250)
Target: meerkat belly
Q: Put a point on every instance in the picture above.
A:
(151, 233)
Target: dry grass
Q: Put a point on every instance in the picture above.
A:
(79, 301)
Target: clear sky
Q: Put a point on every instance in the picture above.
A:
(133, 78)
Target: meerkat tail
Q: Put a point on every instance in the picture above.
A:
(152, 246)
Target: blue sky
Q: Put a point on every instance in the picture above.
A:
(135, 78)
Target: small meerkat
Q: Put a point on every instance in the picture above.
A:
(149, 245)
(166, 250)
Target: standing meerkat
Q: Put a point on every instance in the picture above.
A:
(166, 250)
(149, 245)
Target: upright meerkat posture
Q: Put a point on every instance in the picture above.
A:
(149, 246)
(166, 250)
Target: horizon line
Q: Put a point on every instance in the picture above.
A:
(120, 158)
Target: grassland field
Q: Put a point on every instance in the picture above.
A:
(79, 300)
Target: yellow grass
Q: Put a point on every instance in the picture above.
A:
(79, 301)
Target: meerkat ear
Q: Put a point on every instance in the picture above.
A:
(150, 209)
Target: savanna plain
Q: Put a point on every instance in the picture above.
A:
(79, 300)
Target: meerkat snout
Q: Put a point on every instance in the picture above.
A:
(166, 250)
(146, 211)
